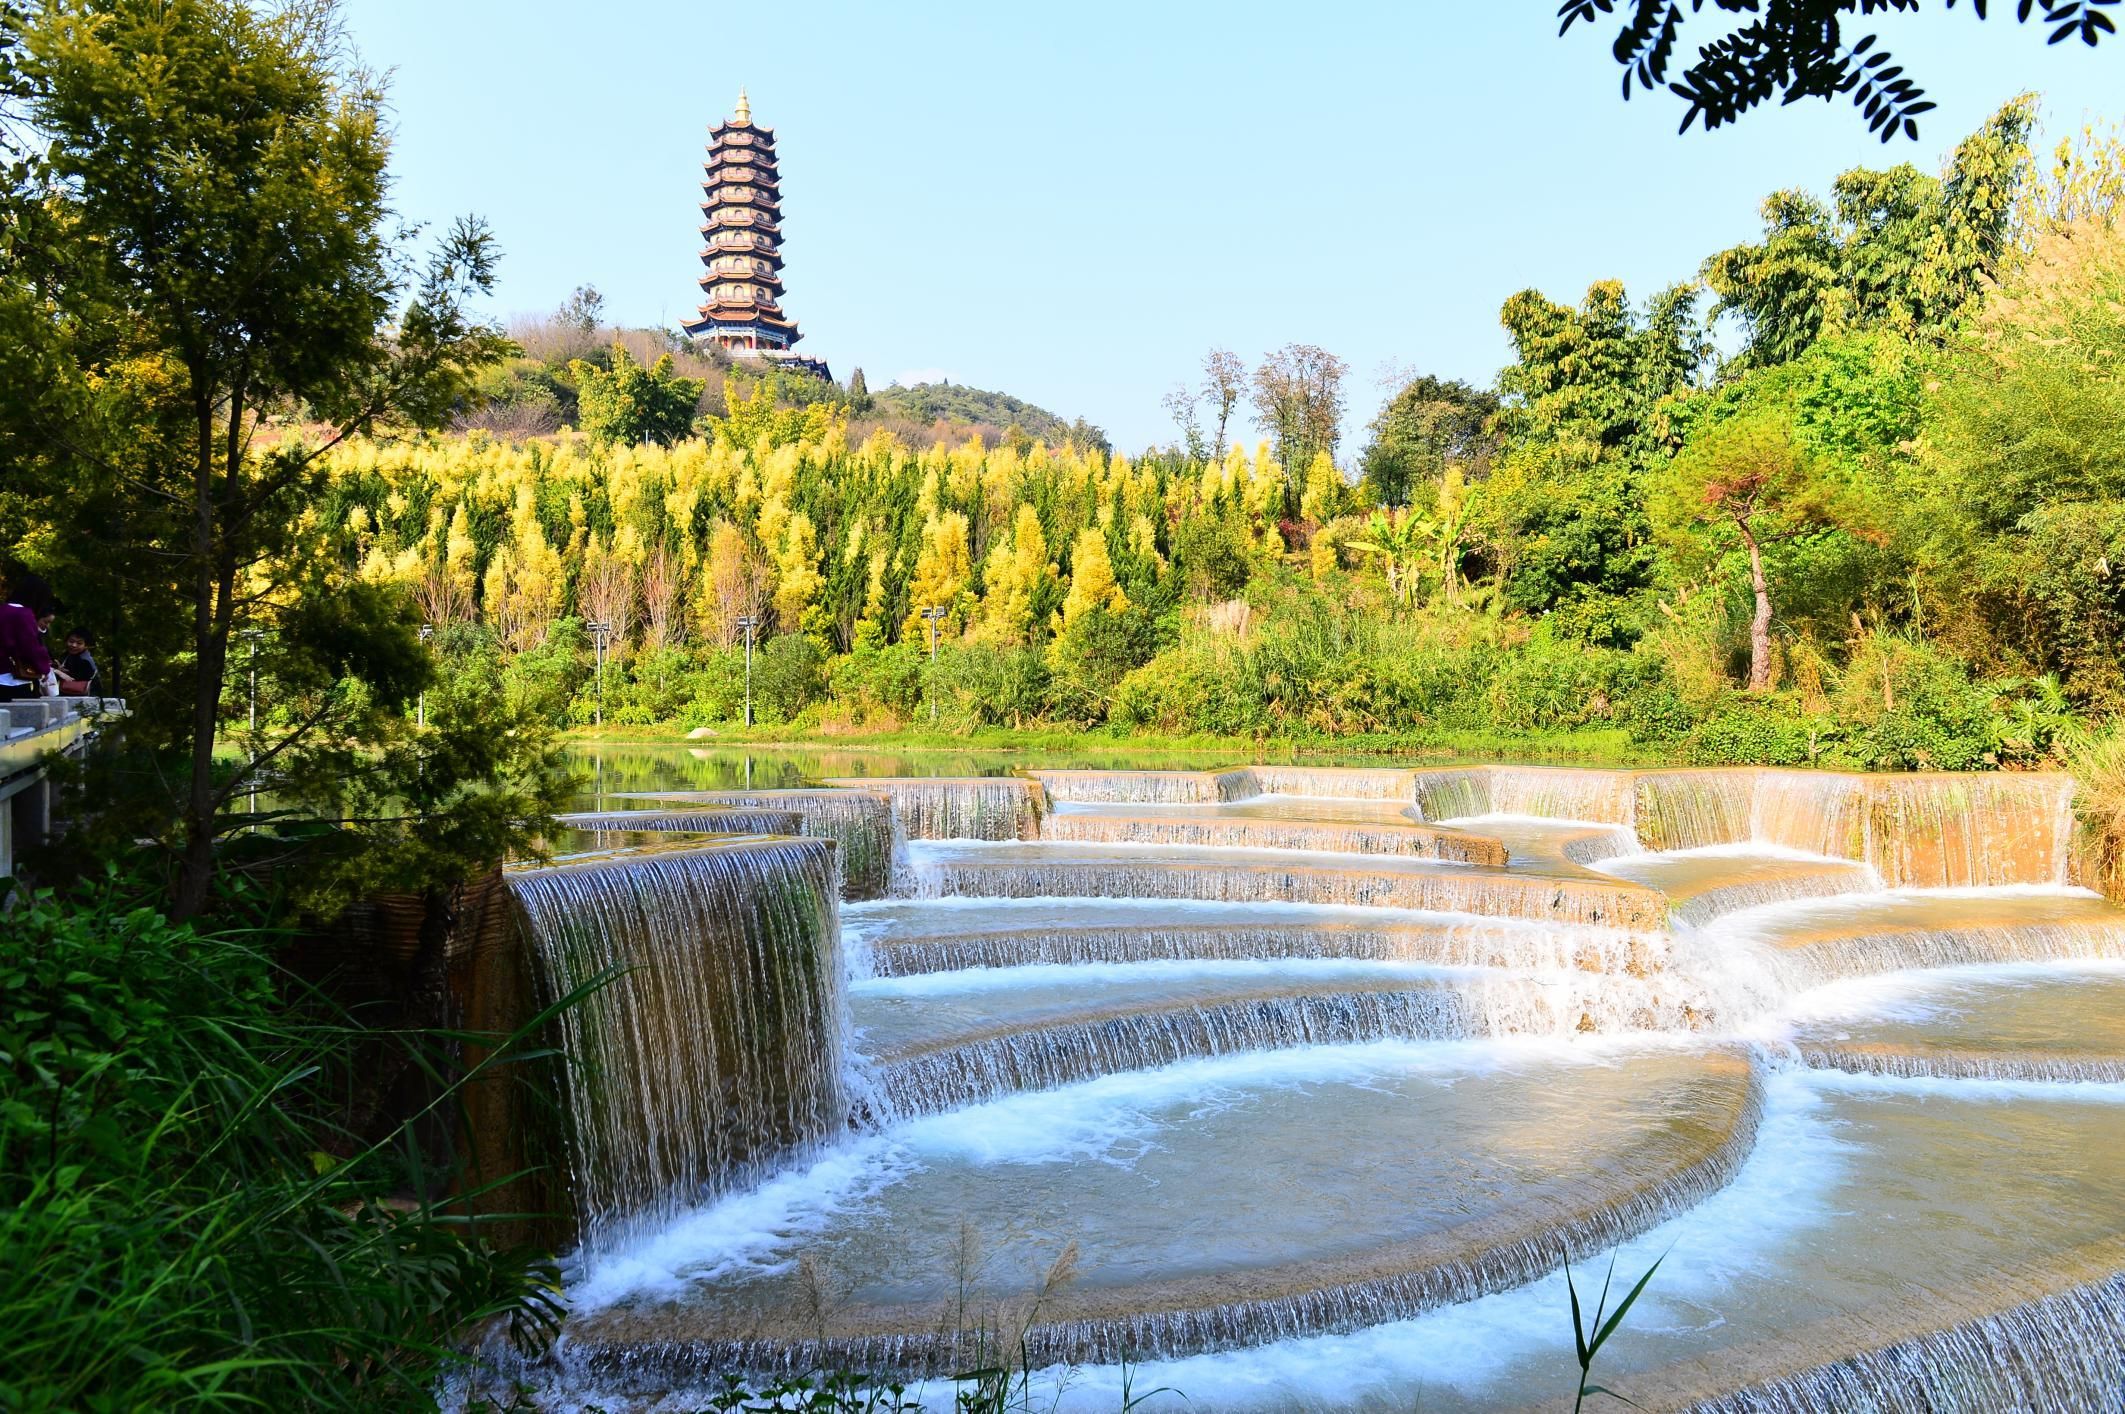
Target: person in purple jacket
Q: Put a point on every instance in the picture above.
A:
(24, 660)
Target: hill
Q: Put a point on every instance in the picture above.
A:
(953, 402)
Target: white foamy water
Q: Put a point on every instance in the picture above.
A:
(1244, 971)
(1110, 1119)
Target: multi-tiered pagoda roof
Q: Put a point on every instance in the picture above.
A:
(741, 210)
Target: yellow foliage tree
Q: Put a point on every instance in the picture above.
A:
(941, 571)
(1092, 584)
(1012, 577)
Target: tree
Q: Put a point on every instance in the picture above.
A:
(859, 393)
(1224, 380)
(1794, 49)
(1092, 584)
(213, 260)
(1298, 400)
(1749, 474)
(582, 311)
(1180, 405)
(632, 404)
(943, 570)
(1013, 578)
(1894, 249)
(1428, 425)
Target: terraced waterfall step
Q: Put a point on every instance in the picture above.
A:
(1411, 840)
(906, 937)
(1211, 1225)
(1039, 870)
(2030, 1021)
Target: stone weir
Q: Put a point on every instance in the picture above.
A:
(708, 1041)
(859, 822)
(2043, 1337)
(1926, 830)
(1698, 1118)
(1036, 871)
(1411, 841)
(959, 807)
(1448, 943)
(734, 821)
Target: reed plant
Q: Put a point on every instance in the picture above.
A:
(182, 1226)
(2096, 760)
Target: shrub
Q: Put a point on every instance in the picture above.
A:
(1908, 706)
(880, 679)
(179, 1223)
(1758, 733)
(789, 675)
(975, 684)
(1089, 658)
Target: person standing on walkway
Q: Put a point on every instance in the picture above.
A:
(25, 662)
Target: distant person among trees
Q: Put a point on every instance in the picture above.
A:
(25, 663)
(77, 667)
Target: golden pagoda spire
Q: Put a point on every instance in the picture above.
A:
(745, 109)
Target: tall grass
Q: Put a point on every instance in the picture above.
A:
(181, 1226)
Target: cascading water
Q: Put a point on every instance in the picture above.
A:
(708, 822)
(1457, 943)
(1272, 1045)
(1254, 832)
(715, 1047)
(962, 808)
(859, 822)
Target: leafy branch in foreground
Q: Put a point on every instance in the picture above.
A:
(1589, 1336)
(1795, 49)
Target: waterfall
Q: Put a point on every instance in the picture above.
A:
(1132, 787)
(1334, 783)
(2055, 1352)
(1042, 1058)
(1261, 832)
(1912, 1063)
(1717, 1118)
(1469, 943)
(960, 808)
(1691, 809)
(1958, 831)
(1562, 793)
(1811, 961)
(859, 822)
(1451, 795)
(970, 1070)
(719, 1048)
(706, 822)
(1611, 903)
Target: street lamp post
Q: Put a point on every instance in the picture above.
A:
(600, 635)
(932, 615)
(748, 623)
(420, 710)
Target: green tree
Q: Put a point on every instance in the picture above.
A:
(632, 404)
(218, 265)
(1748, 475)
(1429, 424)
(1298, 400)
(1893, 249)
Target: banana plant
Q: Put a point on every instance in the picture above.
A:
(1402, 543)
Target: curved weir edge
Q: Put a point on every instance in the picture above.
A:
(1173, 1317)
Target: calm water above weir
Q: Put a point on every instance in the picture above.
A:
(1297, 1085)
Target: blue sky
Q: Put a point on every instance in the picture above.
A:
(1070, 203)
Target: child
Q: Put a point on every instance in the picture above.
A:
(77, 666)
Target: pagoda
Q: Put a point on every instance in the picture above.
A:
(741, 284)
